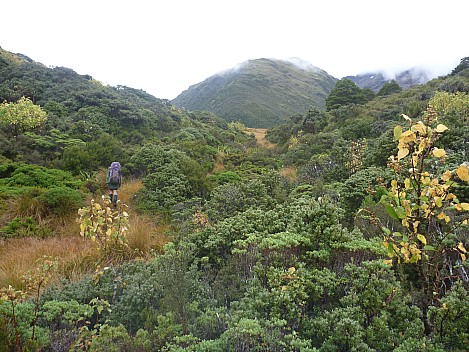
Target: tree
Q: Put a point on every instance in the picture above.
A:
(429, 242)
(345, 92)
(389, 88)
(21, 116)
(462, 66)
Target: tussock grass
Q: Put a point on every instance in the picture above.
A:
(77, 257)
(146, 236)
(289, 173)
(18, 255)
(259, 134)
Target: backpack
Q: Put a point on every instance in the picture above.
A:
(114, 174)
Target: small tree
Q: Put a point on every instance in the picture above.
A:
(21, 116)
(345, 92)
(430, 239)
(105, 226)
(389, 88)
(462, 66)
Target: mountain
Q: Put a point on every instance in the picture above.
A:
(260, 93)
(406, 79)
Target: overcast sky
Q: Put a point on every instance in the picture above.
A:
(163, 47)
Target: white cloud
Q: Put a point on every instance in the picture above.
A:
(163, 47)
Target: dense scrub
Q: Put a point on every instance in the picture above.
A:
(344, 254)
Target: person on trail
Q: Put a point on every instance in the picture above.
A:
(113, 181)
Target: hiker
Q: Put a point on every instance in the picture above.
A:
(113, 181)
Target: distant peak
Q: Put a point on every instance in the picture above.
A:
(303, 64)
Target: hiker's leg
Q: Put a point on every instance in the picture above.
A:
(115, 196)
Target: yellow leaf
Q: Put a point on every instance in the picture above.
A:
(441, 216)
(407, 183)
(463, 172)
(463, 256)
(397, 132)
(464, 206)
(439, 153)
(441, 128)
(402, 153)
(388, 262)
(446, 176)
(407, 136)
(422, 145)
(422, 239)
(461, 247)
(438, 202)
(420, 128)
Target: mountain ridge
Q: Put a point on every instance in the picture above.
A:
(261, 92)
(266, 92)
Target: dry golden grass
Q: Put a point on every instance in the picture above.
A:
(18, 255)
(76, 256)
(146, 236)
(289, 173)
(128, 190)
(259, 134)
(219, 166)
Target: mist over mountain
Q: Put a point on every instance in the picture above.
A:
(266, 92)
(406, 79)
(260, 93)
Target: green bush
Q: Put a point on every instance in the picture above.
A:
(23, 227)
(28, 175)
(61, 200)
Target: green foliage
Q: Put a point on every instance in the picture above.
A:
(226, 177)
(171, 177)
(25, 175)
(373, 314)
(61, 200)
(361, 185)
(21, 116)
(229, 199)
(106, 227)
(432, 218)
(345, 92)
(94, 154)
(451, 318)
(389, 88)
(256, 261)
(462, 66)
(21, 227)
(255, 94)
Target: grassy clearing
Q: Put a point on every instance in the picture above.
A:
(259, 134)
(289, 173)
(77, 256)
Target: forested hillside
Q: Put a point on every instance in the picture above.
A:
(260, 93)
(347, 230)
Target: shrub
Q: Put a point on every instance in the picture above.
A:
(61, 200)
(22, 227)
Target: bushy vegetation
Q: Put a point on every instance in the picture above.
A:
(351, 234)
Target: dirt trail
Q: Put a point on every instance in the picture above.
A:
(259, 133)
